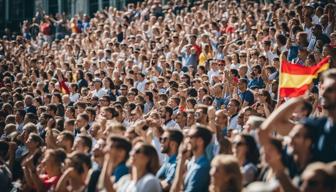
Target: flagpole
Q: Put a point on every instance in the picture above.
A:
(282, 57)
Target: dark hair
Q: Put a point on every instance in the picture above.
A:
(68, 136)
(204, 133)
(169, 110)
(87, 141)
(150, 95)
(253, 151)
(4, 146)
(21, 113)
(84, 116)
(52, 107)
(153, 163)
(243, 80)
(36, 138)
(123, 143)
(32, 118)
(78, 160)
(58, 154)
(177, 100)
(175, 135)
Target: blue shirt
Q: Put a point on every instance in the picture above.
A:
(247, 96)
(167, 170)
(120, 171)
(324, 133)
(293, 52)
(219, 102)
(256, 83)
(197, 177)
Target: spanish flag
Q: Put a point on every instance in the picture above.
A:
(295, 79)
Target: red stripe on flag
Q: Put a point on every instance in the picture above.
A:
(295, 69)
(293, 92)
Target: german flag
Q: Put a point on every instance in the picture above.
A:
(295, 79)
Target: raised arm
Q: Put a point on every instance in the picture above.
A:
(279, 120)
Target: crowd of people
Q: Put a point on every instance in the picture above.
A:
(176, 97)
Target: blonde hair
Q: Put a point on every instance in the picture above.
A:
(231, 169)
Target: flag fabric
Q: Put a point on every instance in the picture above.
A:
(64, 88)
(294, 79)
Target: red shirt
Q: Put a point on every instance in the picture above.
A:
(49, 182)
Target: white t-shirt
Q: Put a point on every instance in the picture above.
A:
(100, 93)
(148, 183)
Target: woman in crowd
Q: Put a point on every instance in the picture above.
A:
(225, 174)
(246, 151)
(144, 162)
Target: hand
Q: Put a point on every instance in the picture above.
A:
(183, 152)
(211, 112)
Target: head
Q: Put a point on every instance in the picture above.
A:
(199, 137)
(80, 162)
(301, 139)
(145, 156)
(119, 148)
(170, 141)
(328, 90)
(83, 144)
(242, 84)
(245, 148)
(221, 119)
(225, 174)
(53, 160)
(233, 107)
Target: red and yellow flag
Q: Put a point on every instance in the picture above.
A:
(295, 79)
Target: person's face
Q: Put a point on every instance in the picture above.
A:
(137, 158)
(232, 108)
(79, 146)
(190, 119)
(328, 94)
(123, 91)
(80, 122)
(201, 93)
(30, 143)
(239, 147)
(164, 140)
(18, 118)
(179, 118)
(131, 96)
(199, 115)
(192, 140)
(162, 113)
(221, 119)
(94, 130)
(298, 139)
(241, 86)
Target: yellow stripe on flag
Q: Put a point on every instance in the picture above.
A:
(294, 81)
